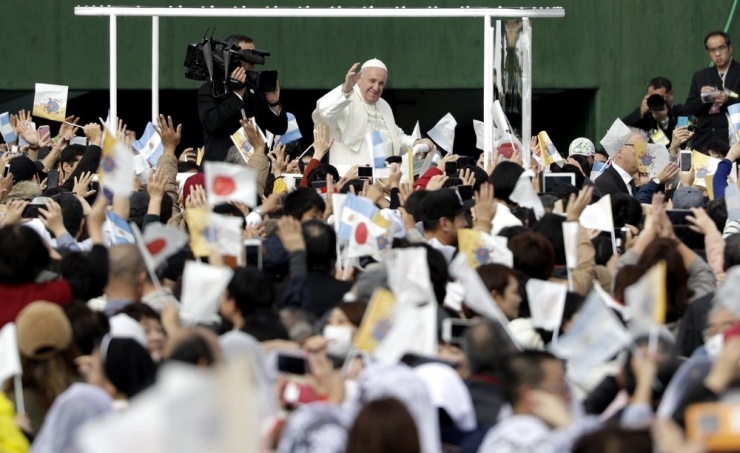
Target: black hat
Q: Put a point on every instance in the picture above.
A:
(444, 203)
(23, 169)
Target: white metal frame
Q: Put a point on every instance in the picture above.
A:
(366, 12)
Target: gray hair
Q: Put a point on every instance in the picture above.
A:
(726, 295)
(233, 156)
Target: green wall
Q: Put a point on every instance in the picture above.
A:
(613, 46)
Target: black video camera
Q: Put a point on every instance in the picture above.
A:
(214, 60)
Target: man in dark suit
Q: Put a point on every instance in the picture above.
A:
(618, 177)
(711, 109)
(220, 108)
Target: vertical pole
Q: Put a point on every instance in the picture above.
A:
(487, 90)
(527, 93)
(113, 84)
(155, 68)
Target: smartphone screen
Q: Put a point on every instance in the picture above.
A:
(451, 168)
(685, 160)
(7, 169)
(31, 211)
(52, 180)
(683, 121)
(44, 133)
(466, 192)
(365, 172)
(550, 180)
(292, 364)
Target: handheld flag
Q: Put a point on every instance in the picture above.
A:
(643, 157)
(227, 182)
(616, 137)
(416, 134)
(482, 248)
(7, 129)
(50, 102)
(525, 196)
(595, 336)
(356, 209)
(162, 241)
(242, 144)
(10, 359)
(201, 291)
(376, 147)
(117, 230)
(703, 166)
(293, 133)
(570, 238)
(367, 239)
(116, 166)
(225, 234)
(479, 127)
(546, 303)
(647, 298)
(598, 216)
(734, 112)
(150, 145)
(377, 321)
(443, 133)
(547, 152)
(197, 220)
(655, 158)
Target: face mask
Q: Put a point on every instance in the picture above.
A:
(340, 340)
(714, 344)
(597, 166)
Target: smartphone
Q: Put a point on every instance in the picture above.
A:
(686, 160)
(292, 363)
(466, 192)
(52, 179)
(318, 185)
(7, 170)
(622, 240)
(451, 169)
(465, 161)
(32, 210)
(365, 172)
(550, 180)
(678, 216)
(253, 251)
(454, 329)
(78, 141)
(44, 133)
(682, 121)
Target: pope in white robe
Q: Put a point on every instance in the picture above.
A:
(355, 108)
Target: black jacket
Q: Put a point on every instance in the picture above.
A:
(715, 126)
(220, 117)
(648, 124)
(610, 183)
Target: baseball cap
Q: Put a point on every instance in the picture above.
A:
(687, 197)
(23, 169)
(444, 203)
(582, 147)
(43, 330)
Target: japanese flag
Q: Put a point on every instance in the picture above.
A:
(546, 302)
(162, 241)
(201, 291)
(227, 182)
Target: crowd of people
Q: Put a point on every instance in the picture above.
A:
(355, 314)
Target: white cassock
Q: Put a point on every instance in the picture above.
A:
(349, 118)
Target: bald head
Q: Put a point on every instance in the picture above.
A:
(125, 264)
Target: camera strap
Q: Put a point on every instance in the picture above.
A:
(208, 57)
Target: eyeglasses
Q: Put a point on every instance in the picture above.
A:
(719, 49)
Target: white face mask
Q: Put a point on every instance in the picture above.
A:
(714, 344)
(340, 340)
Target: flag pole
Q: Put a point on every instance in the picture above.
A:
(614, 242)
(570, 279)
(19, 401)
(653, 339)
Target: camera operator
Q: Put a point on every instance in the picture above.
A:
(656, 115)
(220, 108)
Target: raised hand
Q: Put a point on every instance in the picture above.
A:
(170, 134)
(350, 79)
(94, 133)
(321, 141)
(82, 185)
(253, 135)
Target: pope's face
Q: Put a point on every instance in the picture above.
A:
(372, 81)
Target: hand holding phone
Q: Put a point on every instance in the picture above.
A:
(685, 160)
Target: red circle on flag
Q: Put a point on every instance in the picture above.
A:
(156, 246)
(223, 185)
(361, 233)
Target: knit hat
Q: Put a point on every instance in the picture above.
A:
(198, 179)
(687, 197)
(43, 330)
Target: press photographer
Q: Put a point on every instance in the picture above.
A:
(222, 100)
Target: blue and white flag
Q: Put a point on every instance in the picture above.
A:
(376, 148)
(355, 210)
(150, 145)
(117, 230)
(293, 133)
(734, 112)
(6, 129)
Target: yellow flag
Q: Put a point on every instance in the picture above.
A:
(548, 152)
(469, 244)
(709, 181)
(703, 166)
(377, 321)
(643, 158)
(410, 163)
(197, 219)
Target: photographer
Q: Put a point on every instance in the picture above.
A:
(220, 108)
(656, 115)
